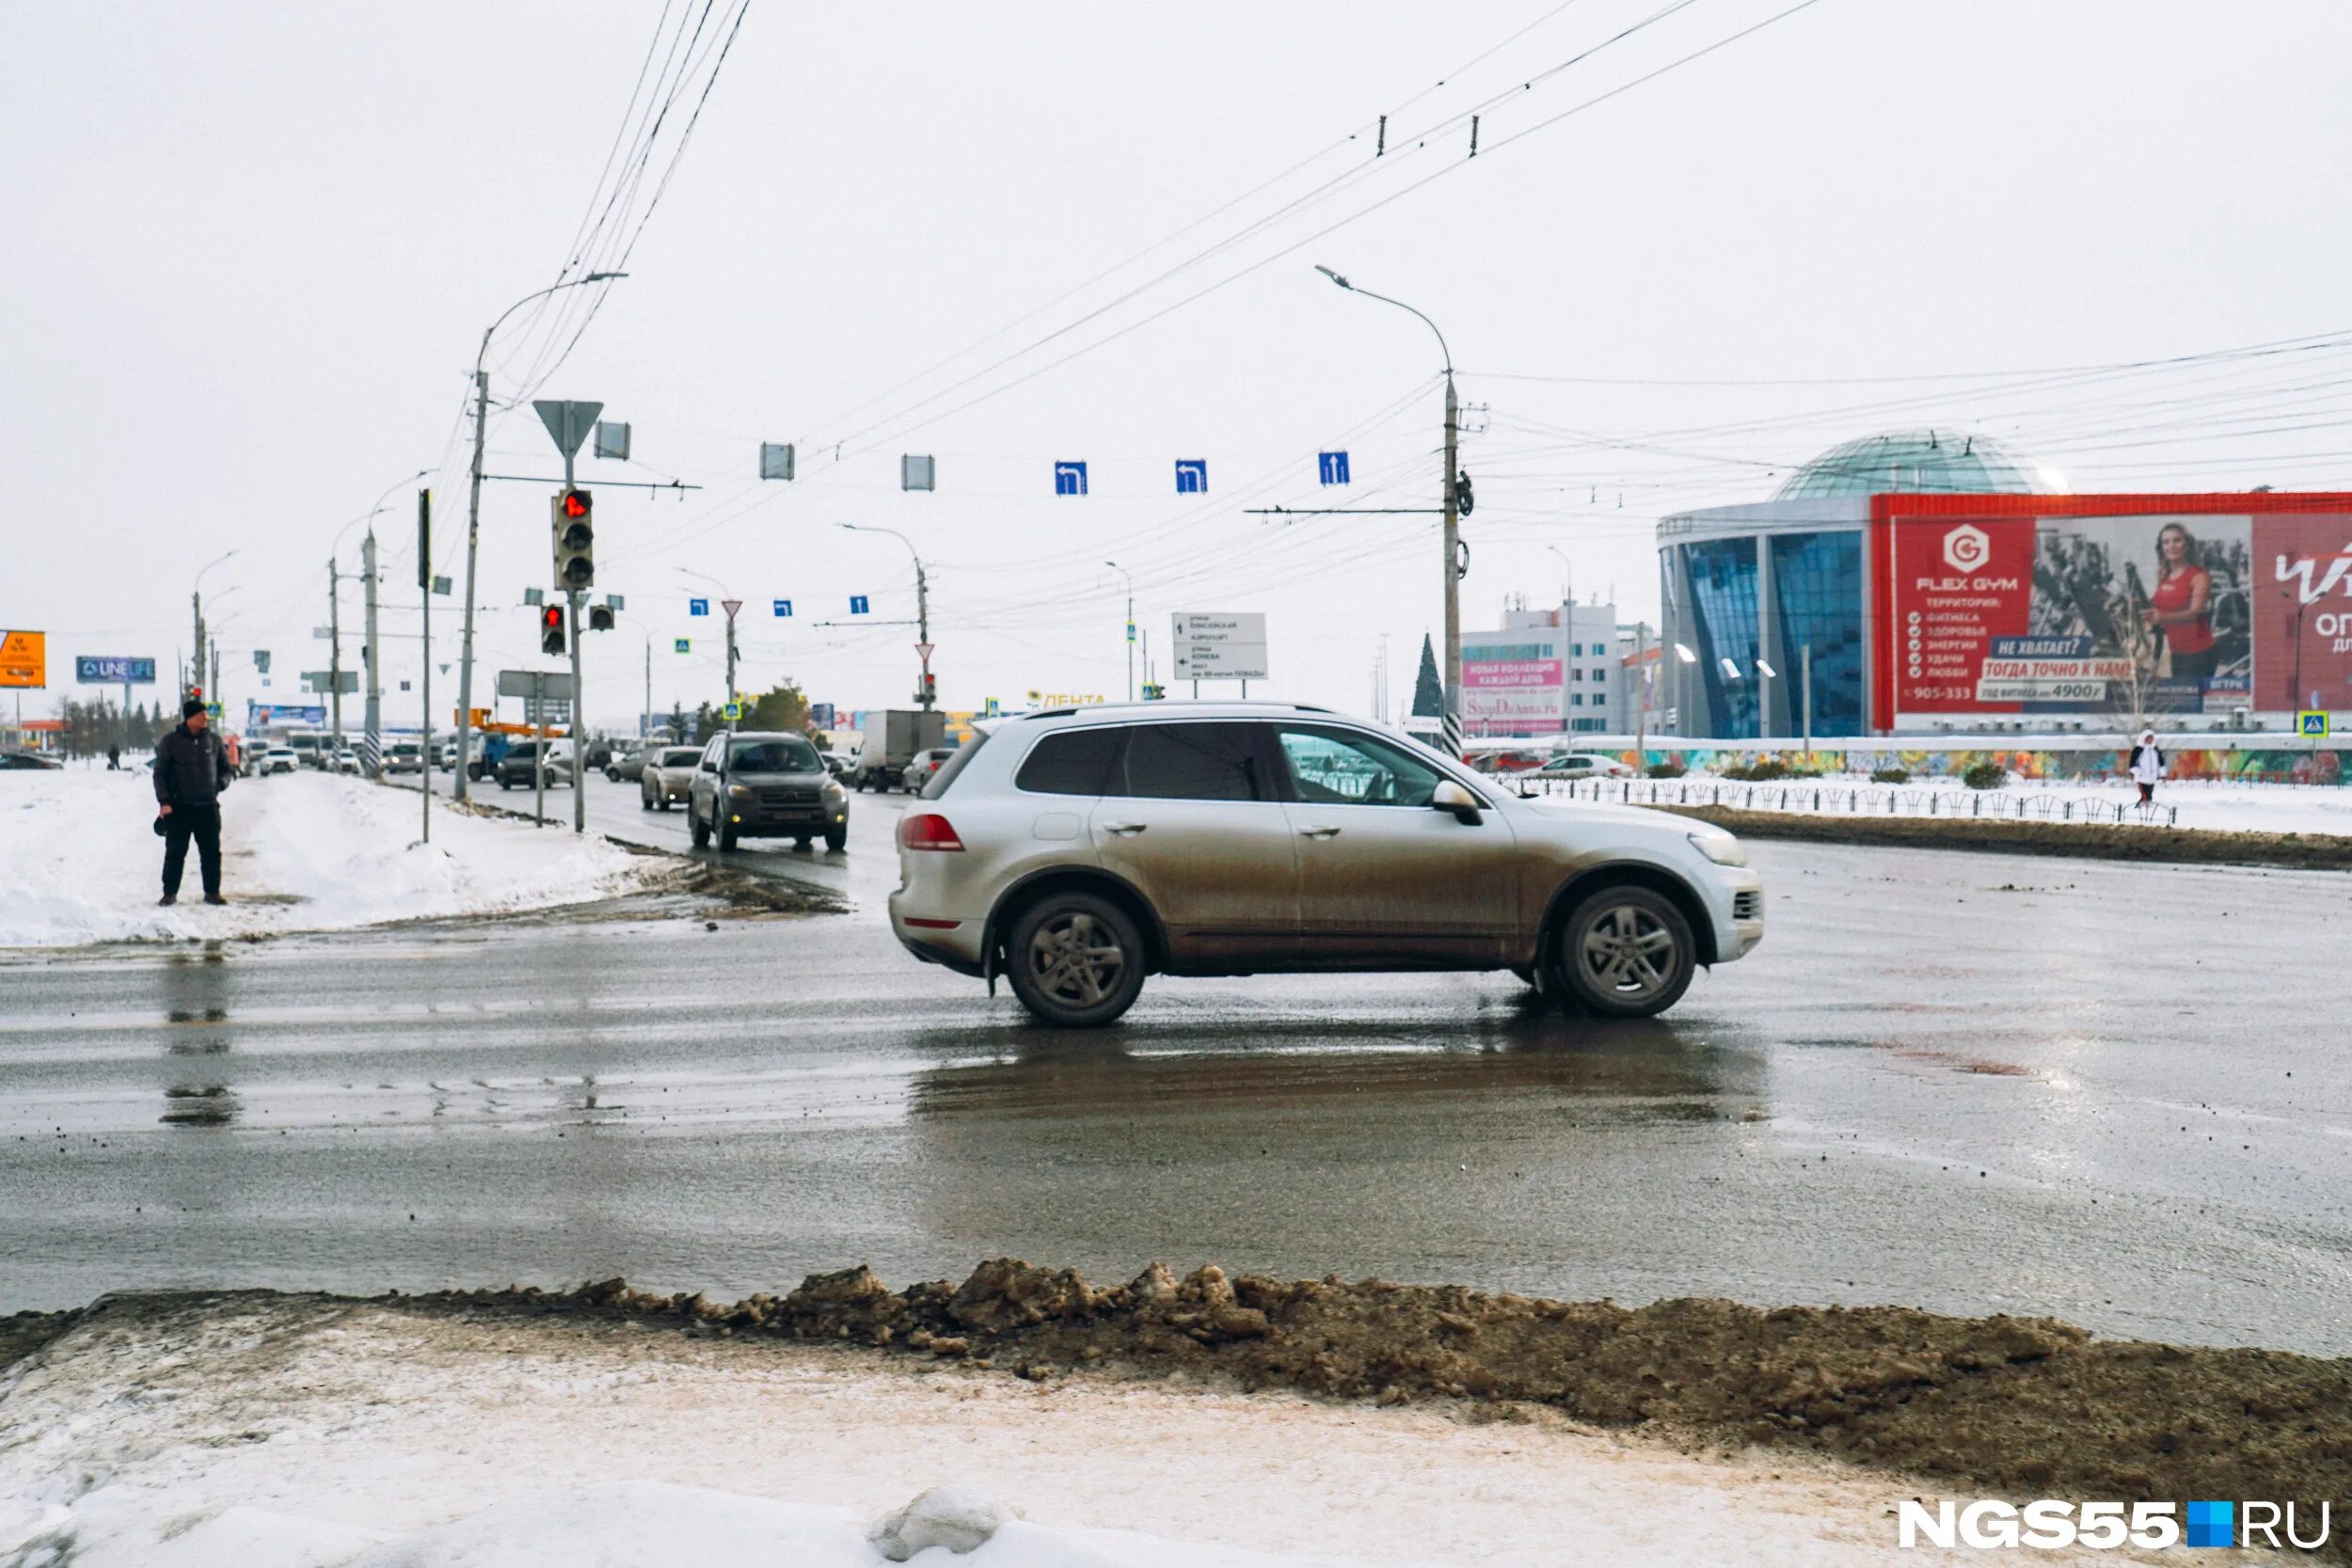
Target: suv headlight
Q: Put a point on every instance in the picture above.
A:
(831, 790)
(1721, 848)
(738, 792)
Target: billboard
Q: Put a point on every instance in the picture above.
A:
(2129, 606)
(1508, 695)
(105, 669)
(23, 660)
(259, 715)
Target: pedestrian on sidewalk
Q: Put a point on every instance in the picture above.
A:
(191, 772)
(114, 759)
(2147, 765)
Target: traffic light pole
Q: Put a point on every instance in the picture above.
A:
(572, 597)
(335, 653)
(473, 538)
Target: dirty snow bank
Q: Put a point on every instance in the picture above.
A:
(80, 862)
(257, 1430)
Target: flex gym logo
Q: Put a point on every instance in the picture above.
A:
(1966, 548)
(2050, 1523)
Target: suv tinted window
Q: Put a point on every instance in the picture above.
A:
(1192, 762)
(953, 763)
(1075, 762)
(679, 756)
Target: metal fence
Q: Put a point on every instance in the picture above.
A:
(1826, 797)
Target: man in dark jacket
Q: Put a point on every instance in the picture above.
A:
(191, 771)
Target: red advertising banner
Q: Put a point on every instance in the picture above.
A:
(2114, 605)
(1958, 586)
(2303, 612)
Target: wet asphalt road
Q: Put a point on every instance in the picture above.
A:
(1975, 1083)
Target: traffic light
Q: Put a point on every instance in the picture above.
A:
(599, 617)
(575, 539)
(929, 691)
(551, 629)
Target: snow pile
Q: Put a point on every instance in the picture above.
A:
(254, 1432)
(80, 862)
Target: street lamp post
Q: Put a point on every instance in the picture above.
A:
(922, 609)
(196, 606)
(1131, 626)
(730, 604)
(1452, 569)
(473, 520)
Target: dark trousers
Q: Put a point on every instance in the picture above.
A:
(202, 824)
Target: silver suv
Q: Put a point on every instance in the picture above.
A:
(1077, 850)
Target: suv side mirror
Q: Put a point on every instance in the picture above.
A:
(1451, 797)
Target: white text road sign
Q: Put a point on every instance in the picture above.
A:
(1220, 647)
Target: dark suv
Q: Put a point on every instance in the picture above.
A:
(759, 785)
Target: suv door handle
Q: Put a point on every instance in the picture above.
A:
(1125, 829)
(1318, 833)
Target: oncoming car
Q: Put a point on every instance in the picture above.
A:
(765, 785)
(1077, 850)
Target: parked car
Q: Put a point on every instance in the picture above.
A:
(667, 777)
(1077, 850)
(925, 765)
(27, 762)
(1580, 765)
(765, 785)
(519, 768)
(278, 759)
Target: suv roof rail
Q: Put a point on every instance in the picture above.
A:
(1178, 707)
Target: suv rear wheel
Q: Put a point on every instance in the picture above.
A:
(1074, 959)
(1625, 952)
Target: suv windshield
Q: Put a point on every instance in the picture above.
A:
(679, 756)
(774, 756)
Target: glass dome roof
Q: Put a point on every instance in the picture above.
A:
(1950, 461)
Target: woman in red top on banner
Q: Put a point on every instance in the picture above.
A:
(2181, 606)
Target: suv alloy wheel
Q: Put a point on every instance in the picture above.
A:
(1625, 952)
(1074, 959)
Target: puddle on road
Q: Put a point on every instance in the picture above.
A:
(1940, 1056)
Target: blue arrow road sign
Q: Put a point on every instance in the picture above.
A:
(857, 604)
(1331, 466)
(1069, 478)
(784, 606)
(1192, 476)
(698, 607)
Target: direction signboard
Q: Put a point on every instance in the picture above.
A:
(23, 660)
(323, 682)
(108, 670)
(1220, 647)
(536, 683)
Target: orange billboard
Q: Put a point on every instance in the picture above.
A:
(23, 660)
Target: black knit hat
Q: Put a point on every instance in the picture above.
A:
(190, 708)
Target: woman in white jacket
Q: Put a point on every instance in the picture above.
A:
(2147, 765)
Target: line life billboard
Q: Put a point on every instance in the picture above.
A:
(2121, 604)
(106, 670)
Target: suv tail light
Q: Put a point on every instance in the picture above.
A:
(928, 831)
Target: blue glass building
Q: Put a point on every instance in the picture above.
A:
(1753, 596)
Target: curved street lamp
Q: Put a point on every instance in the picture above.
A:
(922, 607)
(473, 509)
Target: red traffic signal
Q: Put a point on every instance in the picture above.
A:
(551, 629)
(575, 504)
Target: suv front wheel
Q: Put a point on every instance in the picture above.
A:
(1074, 959)
(1625, 952)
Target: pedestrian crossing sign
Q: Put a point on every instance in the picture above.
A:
(2311, 726)
(683, 646)
(733, 711)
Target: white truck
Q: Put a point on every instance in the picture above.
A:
(891, 740)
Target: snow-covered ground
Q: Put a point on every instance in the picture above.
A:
(2265, 808)
(80, 862)
(294, 1433)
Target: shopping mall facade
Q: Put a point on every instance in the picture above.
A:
(1929, 582)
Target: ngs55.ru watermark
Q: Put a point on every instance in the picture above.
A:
(2051, 1524)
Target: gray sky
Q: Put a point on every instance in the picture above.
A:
(252, 249)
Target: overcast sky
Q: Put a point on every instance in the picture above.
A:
(251, 250)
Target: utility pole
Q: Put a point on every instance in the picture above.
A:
(335, 652)
(195, 617)
(1804, 669)
(1131, 627)
(1641, 692)
(731, 606)
(1453, 570)
(579, 742)
(923, 631)
(644, 725)
(425, 591)
(473, 540)
(373, 655)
